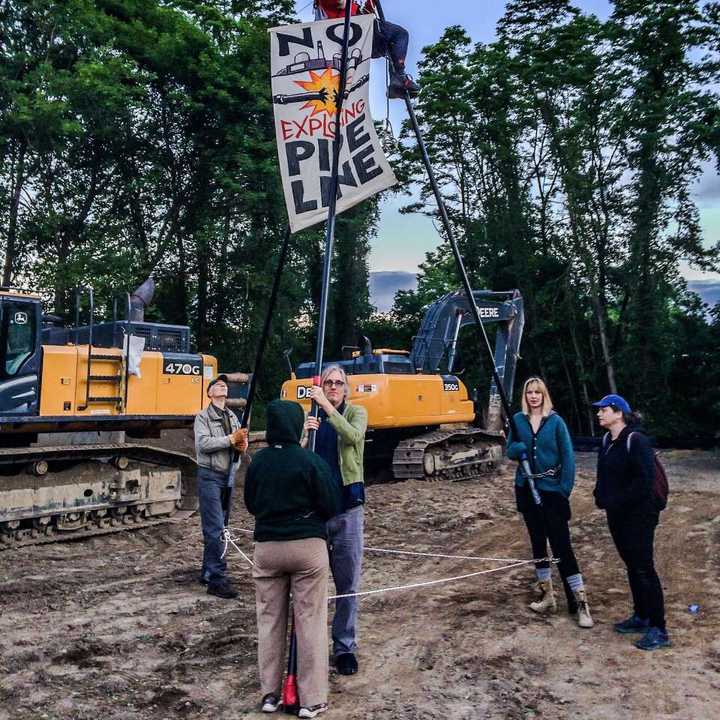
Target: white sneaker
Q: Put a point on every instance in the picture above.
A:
(311, 712)
(270, 703)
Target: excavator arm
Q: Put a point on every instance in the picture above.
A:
(437, 338)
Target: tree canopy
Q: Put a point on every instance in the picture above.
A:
(137, 138)
(567, 151)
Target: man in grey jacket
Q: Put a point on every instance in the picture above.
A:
(219, 443)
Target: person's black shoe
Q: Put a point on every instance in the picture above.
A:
(202, 580)
(400, 85)
(270, 703)
(346, 664)
(222, 590)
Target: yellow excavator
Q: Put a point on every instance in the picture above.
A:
(70, 397)
(420, 416)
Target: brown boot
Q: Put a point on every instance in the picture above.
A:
(547, 602)
(584, 619)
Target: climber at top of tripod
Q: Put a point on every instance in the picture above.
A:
(389, 40)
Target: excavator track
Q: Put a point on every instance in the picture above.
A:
(26, 537)
(454, 454)
(68, 492)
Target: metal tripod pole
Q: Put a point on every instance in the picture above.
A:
(460, 265)
(266, 329)
(226, 495)
(330, 228)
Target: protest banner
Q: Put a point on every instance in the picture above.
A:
(305, 64)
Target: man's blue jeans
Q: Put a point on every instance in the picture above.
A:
(211, 486)
(345, 543)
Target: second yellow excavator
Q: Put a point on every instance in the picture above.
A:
(420, 419)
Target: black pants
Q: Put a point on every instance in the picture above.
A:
(634, 536)
(549, 523)
(390, 39)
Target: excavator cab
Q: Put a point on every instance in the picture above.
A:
(20, 353)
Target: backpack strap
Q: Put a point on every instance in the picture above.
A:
(605, 439)
(629, 437)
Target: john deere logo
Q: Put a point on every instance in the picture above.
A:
(21, 318)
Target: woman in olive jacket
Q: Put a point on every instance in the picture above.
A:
(340, 441)
(545, 441)
(290, 492)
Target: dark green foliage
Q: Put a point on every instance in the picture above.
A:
(137, 138)
(567, 151)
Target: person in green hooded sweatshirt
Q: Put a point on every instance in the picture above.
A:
(290, 492)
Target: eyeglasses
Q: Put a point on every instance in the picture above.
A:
(334, 383)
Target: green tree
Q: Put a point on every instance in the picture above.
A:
(669, 101)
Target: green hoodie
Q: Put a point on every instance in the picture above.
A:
(288, 489)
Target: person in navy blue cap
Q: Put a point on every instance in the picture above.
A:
(624, 489)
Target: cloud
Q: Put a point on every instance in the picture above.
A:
(707, 189)
(384, 285)
(708, 290)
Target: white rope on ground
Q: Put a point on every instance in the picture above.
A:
(411, 586)
(428, 583)
(455, 557)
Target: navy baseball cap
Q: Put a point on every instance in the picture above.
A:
(220, 378)
(617, 400)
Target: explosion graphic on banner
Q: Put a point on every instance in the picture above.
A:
(327, 85)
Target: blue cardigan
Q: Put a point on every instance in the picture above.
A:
(550, 448)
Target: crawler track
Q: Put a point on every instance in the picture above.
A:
(25, 537)
(66, 492)
(457, 454)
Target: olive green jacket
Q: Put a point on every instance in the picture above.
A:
(350, 428)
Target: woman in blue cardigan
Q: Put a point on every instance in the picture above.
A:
(545, 441)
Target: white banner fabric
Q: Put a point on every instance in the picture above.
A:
(305, 65)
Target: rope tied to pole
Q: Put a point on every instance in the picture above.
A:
(229, 540)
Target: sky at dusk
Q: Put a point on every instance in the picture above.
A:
(403, 240)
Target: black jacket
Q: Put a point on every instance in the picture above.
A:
(625, 479)
(288, 489)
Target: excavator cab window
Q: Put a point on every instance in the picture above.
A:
(18, 335)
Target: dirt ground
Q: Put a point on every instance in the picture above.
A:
(116, 627)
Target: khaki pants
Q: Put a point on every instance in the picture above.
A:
(300, 567)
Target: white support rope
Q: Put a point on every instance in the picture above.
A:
(413, 553)
(428, 583)
(510, 564)
(455, 557)
(229, 539)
